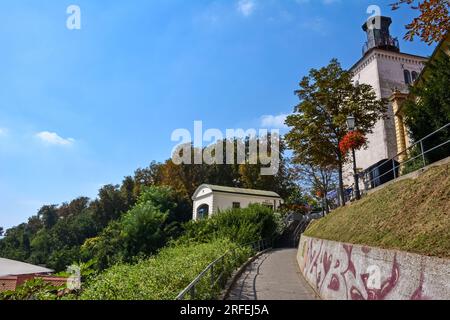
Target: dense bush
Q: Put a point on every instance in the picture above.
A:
(430, 110)
(165, 275)
(239, 225)
(36, 289)
(148, 226)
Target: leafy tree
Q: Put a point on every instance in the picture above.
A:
(155, 219)
(83, 229)
(150, 176)
(1, 231)
(165, 199)
(142, 229)
(319, 180)
(110, 205)
(74, 207)
(186, 178)
(106, 249)
(432, 24)
(430, 109)
(327, 97)
(48, 215)
(127, 190)
(15, 245)
(34, 225)
(281, 182)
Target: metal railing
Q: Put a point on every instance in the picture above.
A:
(217, 272)
(385, 42)
(398, 166)
(302, 226)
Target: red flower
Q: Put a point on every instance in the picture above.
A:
(352, 140)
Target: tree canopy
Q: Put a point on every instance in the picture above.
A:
(327, 97)
(429, 110)
(135, 217)
(433, 22)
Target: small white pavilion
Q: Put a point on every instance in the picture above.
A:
(211, 199)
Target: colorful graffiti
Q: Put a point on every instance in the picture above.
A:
(348, 272)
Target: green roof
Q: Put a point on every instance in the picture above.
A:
(242, 191)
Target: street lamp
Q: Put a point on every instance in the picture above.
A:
(351, 123)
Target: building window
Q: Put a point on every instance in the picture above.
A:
(407, 76)
(414, 75)
(236, 205)
(203, 211)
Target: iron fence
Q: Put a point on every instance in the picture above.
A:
(415, 156)
(216, 271)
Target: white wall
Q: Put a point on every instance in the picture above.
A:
(209, 200)
(218, 201)
(383, 70)
(224, 201)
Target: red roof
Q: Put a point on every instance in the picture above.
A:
(10, 283)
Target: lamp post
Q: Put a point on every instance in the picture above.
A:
(351, 123)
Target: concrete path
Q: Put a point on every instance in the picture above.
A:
(273, 276)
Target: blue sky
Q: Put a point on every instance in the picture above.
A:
(83, 108)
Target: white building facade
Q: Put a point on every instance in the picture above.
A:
(211, 199)
(386, 69)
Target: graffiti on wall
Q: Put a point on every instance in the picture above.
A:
(347, 272)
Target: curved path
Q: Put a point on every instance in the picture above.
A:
(273, 276)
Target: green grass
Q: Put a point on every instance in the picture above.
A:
(410, 215)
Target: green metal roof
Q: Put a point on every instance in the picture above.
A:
(242, 191)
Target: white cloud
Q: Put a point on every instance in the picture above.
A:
(51, 138)
(246, 7)
(274, 122)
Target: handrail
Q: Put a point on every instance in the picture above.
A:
(191, 287)
(405, 152)
(258, 246)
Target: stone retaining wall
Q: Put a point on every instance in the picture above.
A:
(339, 271)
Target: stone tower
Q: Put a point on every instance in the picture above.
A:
(386, 69)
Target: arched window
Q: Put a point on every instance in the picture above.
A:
(414, 75)
(203, 211)
(407, 76)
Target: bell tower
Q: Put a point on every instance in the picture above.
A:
(387, 70)
(378, 35)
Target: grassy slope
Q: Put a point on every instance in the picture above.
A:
(410, 215)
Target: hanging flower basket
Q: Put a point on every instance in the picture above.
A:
(352, 140)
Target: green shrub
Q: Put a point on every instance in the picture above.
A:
(36, 289)
(165, 275)
(142, 230)
(413, 165)
(154, 220)
(239, 225)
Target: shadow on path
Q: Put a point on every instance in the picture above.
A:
(272, 276)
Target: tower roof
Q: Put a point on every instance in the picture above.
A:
(378, 35)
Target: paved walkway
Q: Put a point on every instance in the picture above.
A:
(273, 276)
